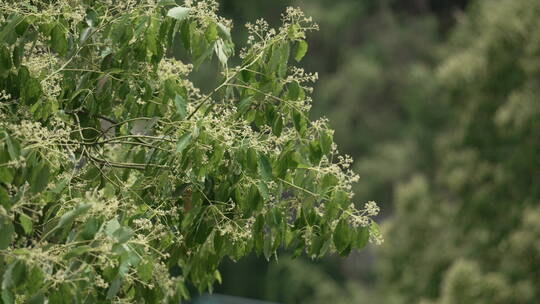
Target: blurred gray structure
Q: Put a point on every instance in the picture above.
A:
(223, 299)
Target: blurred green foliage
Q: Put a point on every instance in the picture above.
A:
(437, 101)
(470, 233)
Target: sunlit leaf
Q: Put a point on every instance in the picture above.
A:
(179, 13)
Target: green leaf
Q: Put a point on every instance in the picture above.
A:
(39, 179)
(4, 196)
(123, 234)
(277, 127)
(8, 32)
(251, 160)
(18, 52)
(38, 298)
(301, 50)
(251, 200)
(145, 271)
(90, 228)
(183, 142)
(7, 296)
(220, 52)
(13, 147)
(375, 230)
(62, 295)
(361, 238)
(85, 33)
(328, 181)
(5, 61)
(341, 198)
(182, 289)
(181, 106)
(263, 190)
(111, 227)
(300, 123)
(244, 104)
(325, 142)
(34, 279)
(342, 236)
(70, 216)
(77, 251)
(7, 229)
(185, 34)
(294, 90)
(224, 31)
(14, 275)
(58, 40)
(179, 13)
(315, 152)
(31, 90)
(211, 33)
(60, 186)
(275, 58)
(284, 60)
(6, 175)
(265, 168)
(26, 223)
(114, 288)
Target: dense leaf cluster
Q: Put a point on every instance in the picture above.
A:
(121, 181)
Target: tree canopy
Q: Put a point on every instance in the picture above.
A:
(121, 180)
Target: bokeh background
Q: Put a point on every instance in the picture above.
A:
(438, 101)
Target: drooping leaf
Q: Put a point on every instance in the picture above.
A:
(300, 123)
(244, 104)
(14, 275)
(263, 190)
(224, 31)
(251, 160)
(301, 50)
(183, 142)
(70, 216)
(59, 42)
(211, 33)
(277, 127)
(5, 61)
(26, 223)
(39, 179)
(265, 168)
(342, 236)
(294, 90)
(8, 32)
(13, 147)
(185, 34)
(361, 237)
(181, 106)
(325, 142)
(7, 229)
(38, 298)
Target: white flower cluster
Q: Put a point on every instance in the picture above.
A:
(205, 12)
(294, 15)
(371, 208)
(48, 140)
(172, 68)
(4, 95)
(40, 61)
(301, 76)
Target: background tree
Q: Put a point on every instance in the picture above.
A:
(122, 181)
(469, 235)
